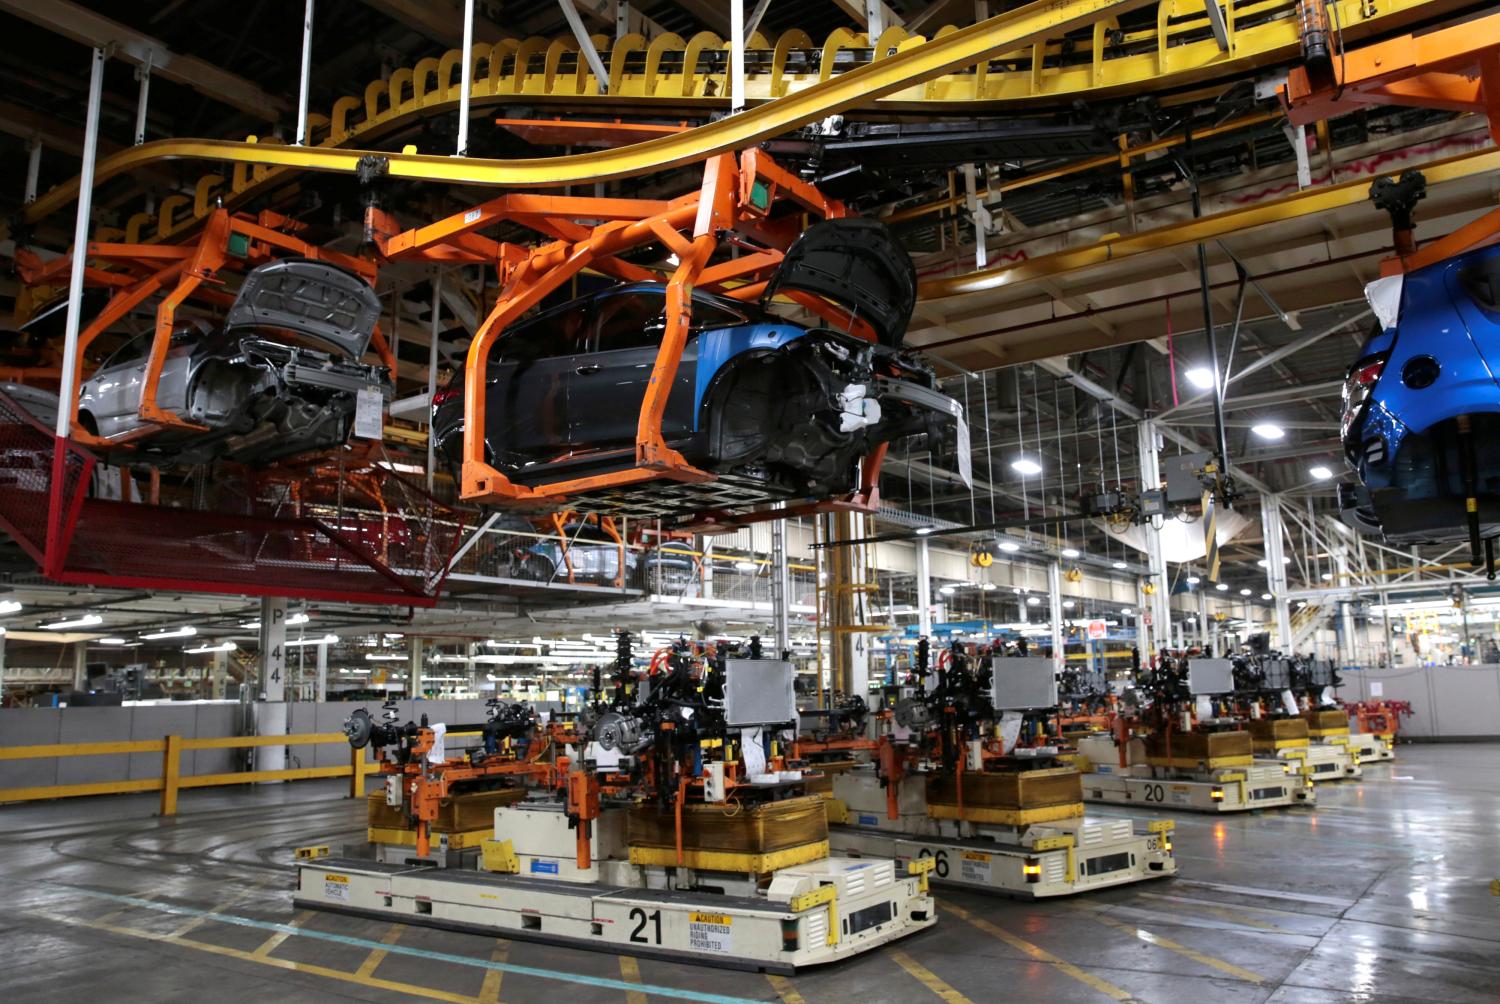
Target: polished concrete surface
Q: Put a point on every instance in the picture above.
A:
(1381, 894)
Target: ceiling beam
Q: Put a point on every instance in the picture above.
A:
(440, 20)
(88, 28)
(714, 13)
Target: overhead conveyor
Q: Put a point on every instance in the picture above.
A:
(1018, 59)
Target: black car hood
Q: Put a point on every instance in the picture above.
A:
(856, 263)
(323, 302)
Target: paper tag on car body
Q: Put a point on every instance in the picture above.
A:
(369, 414)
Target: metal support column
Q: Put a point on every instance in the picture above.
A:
(924, 590)
(736, 56)
(781, 628)
(272, 681)
(1385, 617)
(874, 19)
(1156, 606)
(466, 78)
(1055, 612)
(143, 97)
(432, 361)
(1348, 650)
(33, 169)
(1271, 533)
(270, 708)
(67, 381)
(414, 668)
(80, 665)
(1203, 635)
(321, 694)
(2, 665)
(307, 23)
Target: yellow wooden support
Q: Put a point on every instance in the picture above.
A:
(171, 765)
(36, 793)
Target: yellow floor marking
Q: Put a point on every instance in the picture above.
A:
(927, 978)
(489, 993)
(1040, 954)
(1151, 938)
(377, 955)
(1224, 913)
(194, 923)
(410, 989)
(269, 945)
(785, 990)
(630, 971)
(111, 915)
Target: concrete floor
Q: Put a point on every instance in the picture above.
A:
(1380, 895)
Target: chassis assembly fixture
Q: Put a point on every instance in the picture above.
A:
(678, 831)
(961, 777)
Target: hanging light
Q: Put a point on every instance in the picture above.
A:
(1009, 546)
(1025, 466)
(1120, 564)
(87, 620)
(1071, 552)
(1268, 430)
(1222, 587)
(1193, 580)
(1201, 377)
(1320, 472)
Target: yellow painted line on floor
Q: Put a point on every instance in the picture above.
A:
(489, 992)
(1222, 912)
(630, 971)
(927, 978)
(785, 990)
(377, 955)
(270, 944)
(1151, 938)
(193, 923)
(1105, 987)
(411, 989)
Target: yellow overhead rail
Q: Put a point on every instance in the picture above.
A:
(1017, 57)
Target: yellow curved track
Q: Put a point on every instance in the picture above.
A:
(1013, 59)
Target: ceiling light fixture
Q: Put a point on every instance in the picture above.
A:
(296, 619)
(1193, 580)
(87, 620)
(9, 607)
(1120, 564)
(110, 641)
(1033, 601)
(182, 632)
(1009, 546)
(1268, 430)
(1071, 552)
(1025, 466)
(923, 531)
(1222, 587)
(1320, 472)
(227, 646)
(745, 566)
(1201, 377)
(1265, 596)
(1244, 592)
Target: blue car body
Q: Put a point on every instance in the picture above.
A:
(772, 408)
(1422, 403)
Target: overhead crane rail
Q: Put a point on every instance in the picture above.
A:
(1020, 58)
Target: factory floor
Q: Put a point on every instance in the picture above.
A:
(1382, 894)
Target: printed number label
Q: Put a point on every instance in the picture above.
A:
(940, 868)
(1155, 793)
(642, 918)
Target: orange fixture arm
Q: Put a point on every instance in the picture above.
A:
(1456, 68)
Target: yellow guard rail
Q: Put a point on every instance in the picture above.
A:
(171, 780)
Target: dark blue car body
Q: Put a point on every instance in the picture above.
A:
(1422, 401)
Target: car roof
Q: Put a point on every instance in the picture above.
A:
(751, 310)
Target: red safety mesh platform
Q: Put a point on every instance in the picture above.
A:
(224, 544)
